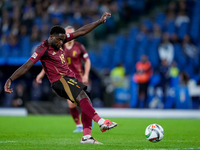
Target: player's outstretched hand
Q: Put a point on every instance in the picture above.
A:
(40, 76)
(39, 79)
(85, 79)
(104, 16)
(7, 86)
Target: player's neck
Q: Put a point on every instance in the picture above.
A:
(69, 45)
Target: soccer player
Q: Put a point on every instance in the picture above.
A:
(63, 81)
(75, 52)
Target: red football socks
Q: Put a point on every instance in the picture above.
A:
(87, 124)
(75, 115)
(87, 108)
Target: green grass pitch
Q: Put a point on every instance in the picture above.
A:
(55, 133)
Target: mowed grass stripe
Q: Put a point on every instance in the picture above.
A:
(55, 132)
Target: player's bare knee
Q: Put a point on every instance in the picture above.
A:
(81, 96)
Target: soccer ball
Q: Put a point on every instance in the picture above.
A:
(154, 133)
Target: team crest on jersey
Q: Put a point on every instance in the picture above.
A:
(53, 53)
(34, 55)
(74, 53)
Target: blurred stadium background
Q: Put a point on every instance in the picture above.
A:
(136, 28)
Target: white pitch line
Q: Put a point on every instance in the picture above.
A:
(7, 141)
(169, 141)
(167, 148)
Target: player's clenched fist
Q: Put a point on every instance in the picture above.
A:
(7, 86)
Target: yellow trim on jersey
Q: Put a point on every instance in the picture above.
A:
(58, 71)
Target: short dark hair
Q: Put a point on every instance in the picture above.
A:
(56, 30)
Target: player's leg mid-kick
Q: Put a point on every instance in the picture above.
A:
(75, 91)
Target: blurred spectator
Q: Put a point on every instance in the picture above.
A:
(166, 49)
(25, 41)
(182, 5)
(20, 96)
(14, 48)
(181, 18)
(144, 33)
(55, 8)
(157, 32)
(104, 7)
(5, 23)
(45, 32)
(175, 39)
(28, 13)
(4, 40)
(114, 9)
(117, 75)
(170, 17)
(16, 13)
(55, 21)
(15, 28)
(172, 6)
(23, 31)
(183, 78)
(189, 49)
(4, 45)
(38, 9)
(142, 76)
(127, 12)
(2, 80)
(164, 82)
(36, 91)
(45, 4)
(35, 36)
(46, 89)
(174, 71)
(1, 6)
(45, 17)
(35, 33)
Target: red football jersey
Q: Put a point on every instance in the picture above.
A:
(53, 61)
(74, 57)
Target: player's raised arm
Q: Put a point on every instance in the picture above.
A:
(89, 27)
(19, 72)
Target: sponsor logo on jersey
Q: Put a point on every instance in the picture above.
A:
(53, 53)
(34, 55)
(62, 58)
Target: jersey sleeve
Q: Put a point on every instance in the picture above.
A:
(84, 55)
(38, 53)
(68, 37)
